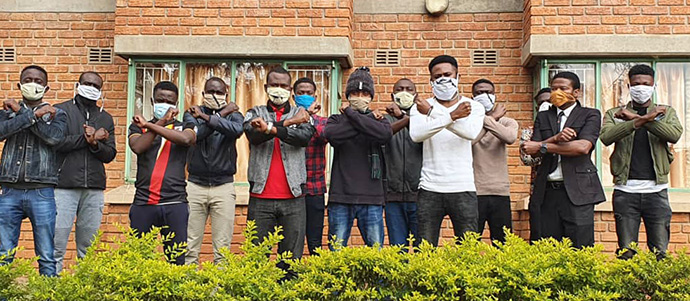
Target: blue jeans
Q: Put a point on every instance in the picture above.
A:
(401, 221)
(369, 221)
(39, 206)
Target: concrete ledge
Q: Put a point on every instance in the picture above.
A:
(418, 6)
(302, 48)
(680, 202)
(53, 6)
(125, 195)
(573, 46)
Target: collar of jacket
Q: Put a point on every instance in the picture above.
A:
(269, 107)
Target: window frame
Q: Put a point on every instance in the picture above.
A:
(335, 78)
(543, 70)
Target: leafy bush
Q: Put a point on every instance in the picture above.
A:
(135, 269)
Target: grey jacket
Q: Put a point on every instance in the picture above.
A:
(293, 140)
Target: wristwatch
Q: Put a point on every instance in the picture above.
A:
(543, 149)
(268, 128)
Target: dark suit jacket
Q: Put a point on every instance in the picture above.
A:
(579, 173)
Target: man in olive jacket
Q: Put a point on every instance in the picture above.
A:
(640, 163)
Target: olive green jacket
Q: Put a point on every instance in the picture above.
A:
(622, 133)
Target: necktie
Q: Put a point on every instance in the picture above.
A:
(554, 162)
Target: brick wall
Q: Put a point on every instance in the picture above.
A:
(563, 17)
(234, 18)
(60, 43)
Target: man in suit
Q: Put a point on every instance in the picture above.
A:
(567, 185)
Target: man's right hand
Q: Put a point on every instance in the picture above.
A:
(395, 111)
(302, 116)
(46, 109)
(259, 124)
(463, 110)
(101, 134)
(11, 104)
(498, 112)
(626, 115)
(423, 106)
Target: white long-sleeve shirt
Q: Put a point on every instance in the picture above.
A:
(447, 150)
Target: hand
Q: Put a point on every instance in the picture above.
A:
(395, 111)
(170, 115)
(229, 109)
(344, 106)
(89, 134)
(625, 115)
(566, 135)
(463, 110)
(498, 112)
(46, 109)
(377, 114)
(196, 111)
(314, 108)
(658, 110)
(101, 135)
(530, 147)
(259, 124)
(139, 121)
(423, 106)
(11, 104)
(301, 117)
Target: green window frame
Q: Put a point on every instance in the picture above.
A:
(335, 79)
(542, 77)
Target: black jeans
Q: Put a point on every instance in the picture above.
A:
(560, 218)
(171, 218)
(495, 209)
(315, 216)
(289, 214)
(432, 208)
(654, 209)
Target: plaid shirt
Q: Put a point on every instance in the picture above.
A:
(316, 158)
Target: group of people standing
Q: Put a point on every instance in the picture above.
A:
(422, 161)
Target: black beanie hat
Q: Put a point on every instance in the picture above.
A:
(360, 80)
(443, 59)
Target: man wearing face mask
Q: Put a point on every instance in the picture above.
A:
(446, 124)
(640, 163)
(278, 134)
(357, 190)
(542, 99)
(403, 159)
(212, 166)
(161, 145)
(490, 162)
(89, 144)
(305, 97)
(567, 185)
(30, 129)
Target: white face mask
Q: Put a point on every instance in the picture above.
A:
(32, 91)
(88, 92)
(277, 95)
(404, 99)
(360, 103)
(160, 109)
(445, 88)
(545, 106)
(641, 93)
(487, 100)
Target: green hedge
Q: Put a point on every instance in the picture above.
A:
(472, 270)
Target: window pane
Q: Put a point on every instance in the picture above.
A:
(147, 75)
(673, 89)
(587, 80)
(614, 93)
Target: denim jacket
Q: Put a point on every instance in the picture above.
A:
(31, 141)
(293, 140)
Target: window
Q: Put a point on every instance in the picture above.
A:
(245, 81)
(605, 86)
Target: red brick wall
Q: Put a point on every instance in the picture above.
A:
(234, 18)
(60, 43)
(563, 17)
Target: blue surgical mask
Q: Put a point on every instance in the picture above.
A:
(304, 100)
(160, 108)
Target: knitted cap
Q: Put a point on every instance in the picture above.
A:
(443, 59)
(360, 80)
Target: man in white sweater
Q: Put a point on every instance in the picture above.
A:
(446, 124)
